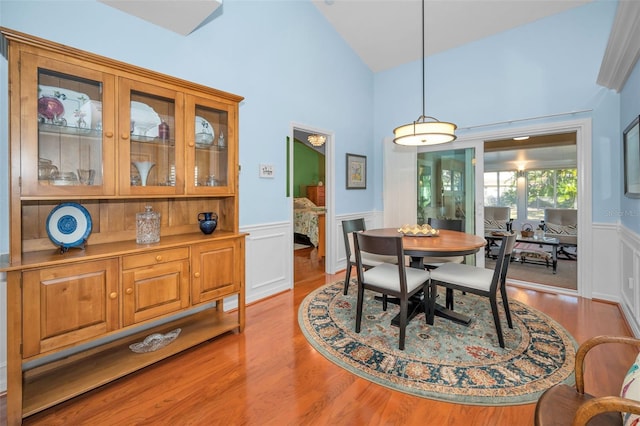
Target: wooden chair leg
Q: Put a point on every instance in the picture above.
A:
(359, 308)
(496, 319)
(403, 322)
(426, 302)
(347, 278)
(433, 292)
(505, 303)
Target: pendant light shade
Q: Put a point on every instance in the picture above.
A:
(425, 130)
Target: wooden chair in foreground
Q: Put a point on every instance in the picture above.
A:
(395, 279)
(477, 280)
(348, 228)
(567, 405)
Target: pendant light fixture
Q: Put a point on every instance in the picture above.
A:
(425, 130)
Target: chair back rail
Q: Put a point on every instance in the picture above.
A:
(381, 246)
(450, 224)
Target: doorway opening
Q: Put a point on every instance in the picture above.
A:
(536, 179)
(310, 201)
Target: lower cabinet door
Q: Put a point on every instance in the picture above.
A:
(155, 290)
(65, 305)
(215, 270)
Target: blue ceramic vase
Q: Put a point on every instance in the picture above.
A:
(208, 222)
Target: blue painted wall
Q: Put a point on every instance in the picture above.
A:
(629, 212)
(292, 67)
(282, 56)
(546, 67)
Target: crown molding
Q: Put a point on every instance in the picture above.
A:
(623, 48)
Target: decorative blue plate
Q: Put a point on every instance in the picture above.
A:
(69, 225)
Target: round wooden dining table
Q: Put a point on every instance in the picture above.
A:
(446, 243)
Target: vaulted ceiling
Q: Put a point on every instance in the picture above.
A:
(386, 33)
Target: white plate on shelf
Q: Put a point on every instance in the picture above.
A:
(144, 122)
(69, 225)
(204, 132)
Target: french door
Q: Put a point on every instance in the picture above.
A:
(446, 186)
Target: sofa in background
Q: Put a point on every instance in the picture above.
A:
(563, 225)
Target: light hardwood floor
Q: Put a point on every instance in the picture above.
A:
(270, 375)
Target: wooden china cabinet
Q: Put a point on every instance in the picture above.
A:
(93, 142)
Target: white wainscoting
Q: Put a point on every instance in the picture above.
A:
(603, 262)
(628, 264)
(372, 220)
(269, 267)
(269, 260)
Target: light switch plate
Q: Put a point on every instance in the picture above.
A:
(266, 171)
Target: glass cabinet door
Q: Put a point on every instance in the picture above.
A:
(210, 148)
(150, 121)
(64, 150)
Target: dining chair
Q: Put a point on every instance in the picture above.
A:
(348, 228)
(566, 405)
(396, 280)
(432, 262)
(477, 280)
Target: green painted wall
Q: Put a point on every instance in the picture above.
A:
(308, 168)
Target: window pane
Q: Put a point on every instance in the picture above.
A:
(501, 190)
(550, 188)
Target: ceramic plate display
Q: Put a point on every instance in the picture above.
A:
(144, 122)
(60, 109)
(204, 132)
(68, 225)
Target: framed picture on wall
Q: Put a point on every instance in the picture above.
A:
(631, 147)
(356, 171)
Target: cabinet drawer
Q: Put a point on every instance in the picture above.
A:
(155, 257)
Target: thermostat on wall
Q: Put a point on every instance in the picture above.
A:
(266, 171)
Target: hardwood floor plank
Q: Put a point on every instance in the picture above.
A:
(270, 375)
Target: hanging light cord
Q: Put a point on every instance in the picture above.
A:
(423, 68)
(423, 117)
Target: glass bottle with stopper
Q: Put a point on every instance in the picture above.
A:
(147, 226)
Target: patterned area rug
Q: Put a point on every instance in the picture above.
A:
(446, 361)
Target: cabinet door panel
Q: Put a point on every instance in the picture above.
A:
(151, 139)
(215, 271)
(68, 146)
(66, 305)
(210, 148)
(156, 290)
